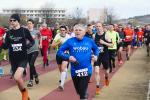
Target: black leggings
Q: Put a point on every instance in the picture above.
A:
(81, 85)
(112, 55)
(31, 59)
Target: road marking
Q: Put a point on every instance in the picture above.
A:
(148, 93)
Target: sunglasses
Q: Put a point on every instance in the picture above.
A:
(12, 20)
(62, 30)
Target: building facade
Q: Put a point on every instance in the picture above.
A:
(95, 14)
(52, 13)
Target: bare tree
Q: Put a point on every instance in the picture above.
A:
(4, 20)
(77, 14)
(46, 14)
(109, 15)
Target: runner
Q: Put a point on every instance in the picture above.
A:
(120, 44)
(103, 42)
(33, 53)
(140, 35)
(2, 32)
(147, 38)
(79, 48)
(114, 36)
(46, 35)
(16, 42)
(59, 39)
(128, 40)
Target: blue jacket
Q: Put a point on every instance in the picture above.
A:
(82, 51)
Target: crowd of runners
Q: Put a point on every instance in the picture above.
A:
(83, 49)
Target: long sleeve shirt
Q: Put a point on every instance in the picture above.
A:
(82, 51)
(16, 42)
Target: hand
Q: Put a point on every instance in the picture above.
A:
(33, 36)
(49, 40)
(40, 46)
(94, 58)
(120, 40)
(111, 45)
(101, 41)
(72, 59)
(1, 38)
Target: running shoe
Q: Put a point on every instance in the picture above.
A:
(36, 79)
(97, 91)
(106, 82)
(147, 54)
(47, 63)
(30, 83)
(128, 58)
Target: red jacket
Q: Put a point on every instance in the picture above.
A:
(2, 32)
(46, 36)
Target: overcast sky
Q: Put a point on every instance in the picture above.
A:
(122, 8)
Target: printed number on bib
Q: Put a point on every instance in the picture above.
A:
(17, 47)
(82, 72)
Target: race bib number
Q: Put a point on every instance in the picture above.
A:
(17, 47)
(82, 72)
(44, 37)
(128, 36)
(101, 49)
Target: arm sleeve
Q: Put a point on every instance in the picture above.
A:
(62, 49)
(29, 37)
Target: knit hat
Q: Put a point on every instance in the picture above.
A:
(15, 16)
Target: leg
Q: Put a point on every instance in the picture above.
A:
(110, 64)
(83, 84)
(128, 51)
(44, 50)
(97, 79)
(63, 73)
(19, 80)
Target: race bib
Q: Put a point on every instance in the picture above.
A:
(44, 37)
(128, 36)
(82, 72)
(101, 49)
(17, 47)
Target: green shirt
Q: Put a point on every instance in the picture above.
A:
(114, 36)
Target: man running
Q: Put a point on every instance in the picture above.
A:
(59, 39)
(103, 42)
(16, 42)
(147, 38)
(33, 52)
(120, 44)
(79, 48)
(128, 40)
(114, 36)
(46, 35)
